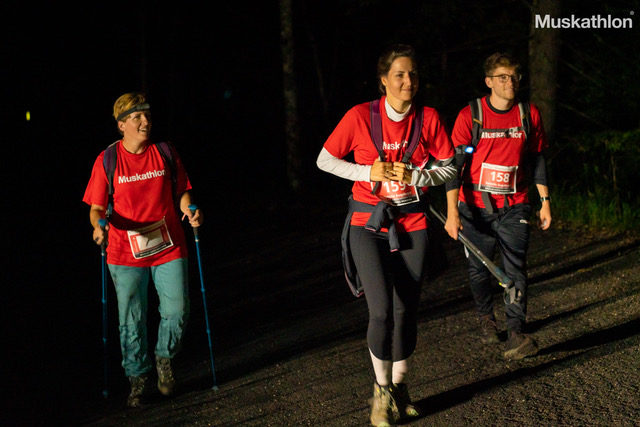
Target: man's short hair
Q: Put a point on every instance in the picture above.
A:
(500, 59)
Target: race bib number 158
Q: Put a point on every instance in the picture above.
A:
(498, 179)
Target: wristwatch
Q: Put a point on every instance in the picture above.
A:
(542, 199)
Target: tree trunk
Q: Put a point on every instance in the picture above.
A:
(544, 46)
(291, 127)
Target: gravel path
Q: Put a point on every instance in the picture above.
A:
(297, 355)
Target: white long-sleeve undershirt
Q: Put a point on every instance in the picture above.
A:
(355, 172)
(347, 170)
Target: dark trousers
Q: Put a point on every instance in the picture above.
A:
(507, 228)
(392, 283)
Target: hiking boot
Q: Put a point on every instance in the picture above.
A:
(519, 346)
(381, 403)
(166, 382)
(134, 400)
(401, 403)
(489, 330)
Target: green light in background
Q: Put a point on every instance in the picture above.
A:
(28, 115)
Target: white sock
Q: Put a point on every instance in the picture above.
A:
(382, 370)
(399, 370)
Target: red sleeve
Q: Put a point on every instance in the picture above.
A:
(537, 142)
(440, 144)
(339, 143)
(182, 179)
(97, 191)
(461, 134)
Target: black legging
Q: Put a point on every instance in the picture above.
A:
(392, 283)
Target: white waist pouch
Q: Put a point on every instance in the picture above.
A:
(150, 240)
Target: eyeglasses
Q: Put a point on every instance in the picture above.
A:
(504, 78)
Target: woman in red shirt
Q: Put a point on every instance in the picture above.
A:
(145, 239)
(387, 233)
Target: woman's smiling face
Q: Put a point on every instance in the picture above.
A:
(401, 82)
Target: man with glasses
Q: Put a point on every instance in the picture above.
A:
(499, 158)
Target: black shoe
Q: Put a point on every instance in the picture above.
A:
(166, 381)
(401, 402)
(138, 385)
(488, 329)
(519, 346)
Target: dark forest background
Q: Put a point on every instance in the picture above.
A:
(214, 76)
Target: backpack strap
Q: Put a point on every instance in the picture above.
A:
(109, 162)
(416, 132)
(525, 117)
(166, 152)
(349, 266)
(376, 127)
(376, 133)
(476, 121)
(476, 130)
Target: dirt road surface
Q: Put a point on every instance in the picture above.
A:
(290, 348)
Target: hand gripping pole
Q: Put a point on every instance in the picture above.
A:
(511, 294)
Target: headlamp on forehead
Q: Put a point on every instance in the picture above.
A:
(139, 107)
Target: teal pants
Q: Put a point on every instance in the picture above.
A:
(131, 283)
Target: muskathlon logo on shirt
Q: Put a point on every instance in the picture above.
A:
(395, 146)
(515, 132)
(141, 177)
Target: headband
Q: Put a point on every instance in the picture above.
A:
(139, 107)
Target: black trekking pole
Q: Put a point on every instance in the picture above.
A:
(193, 208)
(511, 294)
(103, 252)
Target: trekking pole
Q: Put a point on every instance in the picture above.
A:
(193, 208)
(511, 294)
(103, 252)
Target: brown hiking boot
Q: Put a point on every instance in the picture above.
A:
(381, 403)
(401, 403)
(519, 346)
(134, 400)
(489, 329)
(166, 382)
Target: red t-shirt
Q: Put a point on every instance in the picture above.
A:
(505, 150)
(142, 195)
(353, 134)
